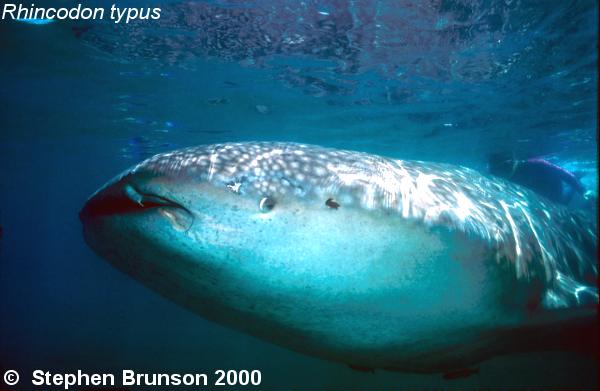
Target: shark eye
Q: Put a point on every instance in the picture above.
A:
(333, 204)
(266, 204)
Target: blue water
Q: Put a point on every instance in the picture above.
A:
(449, 81)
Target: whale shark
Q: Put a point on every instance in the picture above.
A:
(351, 257)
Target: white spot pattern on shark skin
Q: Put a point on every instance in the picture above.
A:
(235, 187)
(523, 228)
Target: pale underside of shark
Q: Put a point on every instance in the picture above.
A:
(348, 256)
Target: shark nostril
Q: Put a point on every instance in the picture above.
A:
(110, 201)
(266, 204)
(146, 200)
(133, 194)
(180, 218)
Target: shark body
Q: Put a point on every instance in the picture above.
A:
(352, 257)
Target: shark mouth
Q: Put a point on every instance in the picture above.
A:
(124, 199)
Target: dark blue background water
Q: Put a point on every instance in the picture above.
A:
(442, 80)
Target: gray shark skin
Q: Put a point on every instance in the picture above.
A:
(351, 257)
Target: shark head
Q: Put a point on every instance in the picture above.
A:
(285, 214)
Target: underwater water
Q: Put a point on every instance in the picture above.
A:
(440, 81)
